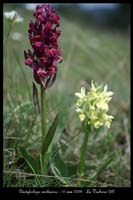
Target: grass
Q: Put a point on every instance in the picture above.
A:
(89, 53)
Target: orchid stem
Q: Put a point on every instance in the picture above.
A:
(43, 121)
(81, 165)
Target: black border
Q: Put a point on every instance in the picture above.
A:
(100, 191)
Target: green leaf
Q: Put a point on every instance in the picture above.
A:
(103, 166)
(32, 162)
(105, 163)
(35, 97)
(63, 171)
(59, 176)
(50, 135)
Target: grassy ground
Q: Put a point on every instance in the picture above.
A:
(88, 53)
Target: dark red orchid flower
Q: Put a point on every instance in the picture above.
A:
(43, 36)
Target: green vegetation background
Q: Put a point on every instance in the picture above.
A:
(89, 52)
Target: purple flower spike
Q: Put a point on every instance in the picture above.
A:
(43, 36)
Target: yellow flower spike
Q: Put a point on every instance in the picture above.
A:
(92, 110)
(93, 106)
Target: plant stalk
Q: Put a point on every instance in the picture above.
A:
(43, 121)
(81, 165)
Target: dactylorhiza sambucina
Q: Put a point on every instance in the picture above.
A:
(43, 59)
(92, 110)
(43, 36)
(93, 106)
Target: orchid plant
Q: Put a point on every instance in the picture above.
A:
(43, 60)
(92, 110)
